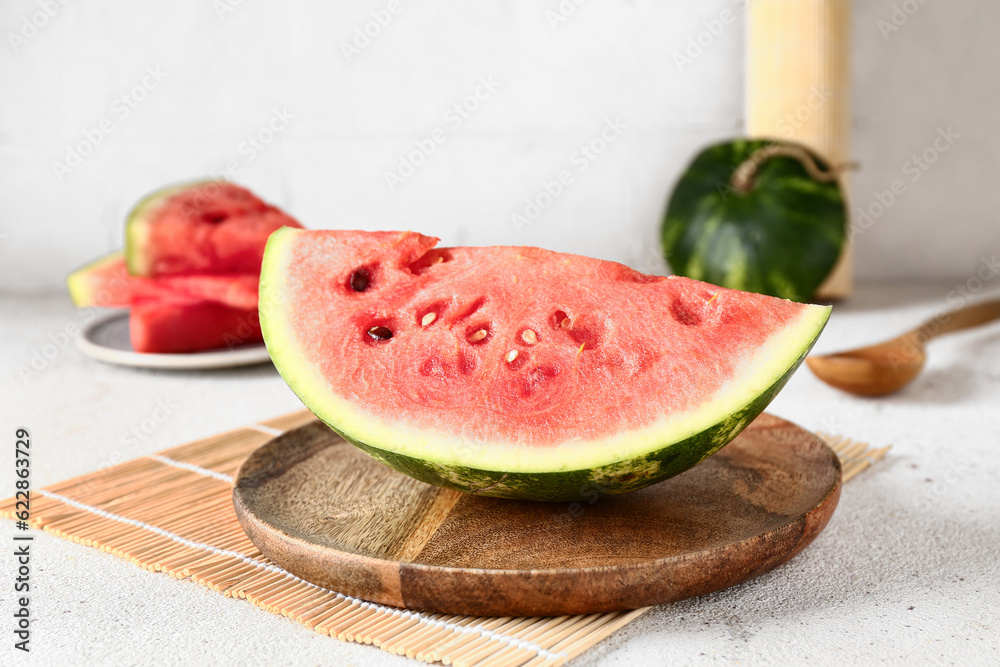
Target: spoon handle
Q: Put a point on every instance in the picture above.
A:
(963, 318)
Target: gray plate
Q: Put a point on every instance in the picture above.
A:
(107, 339)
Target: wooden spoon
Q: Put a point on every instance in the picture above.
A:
(881, 369)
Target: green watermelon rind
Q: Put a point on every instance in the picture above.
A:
(137, 226)
(621, 463)
(569, 485)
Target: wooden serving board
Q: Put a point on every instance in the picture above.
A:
(330, 514)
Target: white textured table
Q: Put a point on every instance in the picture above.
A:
(908, 569)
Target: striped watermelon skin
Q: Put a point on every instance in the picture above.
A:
(623, 476)
(782, 238)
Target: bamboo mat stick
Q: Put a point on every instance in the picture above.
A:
(855, 456)
(421, 638)
(608, 626)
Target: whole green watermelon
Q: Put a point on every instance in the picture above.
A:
(778, 232)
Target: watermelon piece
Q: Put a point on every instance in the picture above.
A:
(106, 283)
(177, 327)
(210, 227)
(777, 232)
(519, 372)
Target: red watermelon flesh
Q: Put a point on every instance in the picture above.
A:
(574, 347)
(212, 227)
(176, 327)
(106, 283)
(235, 291)
(520, 372)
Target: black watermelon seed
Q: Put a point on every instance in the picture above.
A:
(360, 280)
(380, 333)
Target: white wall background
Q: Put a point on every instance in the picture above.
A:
(228, 65)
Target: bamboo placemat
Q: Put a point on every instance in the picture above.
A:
(172, 512)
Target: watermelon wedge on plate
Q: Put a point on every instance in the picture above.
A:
(190, 268)
(106, 283)
(173, 314)
(183, 327)
(519, 372)
(209, 227)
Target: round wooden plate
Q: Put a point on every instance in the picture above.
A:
(328, 513)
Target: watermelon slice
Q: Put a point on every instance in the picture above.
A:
(207, 227)
(106, 283)
(519, 372)
(177, 327)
